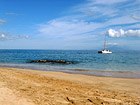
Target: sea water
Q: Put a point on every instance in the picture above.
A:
(85, 61)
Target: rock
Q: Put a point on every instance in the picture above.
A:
(51, 61)
(42, 60)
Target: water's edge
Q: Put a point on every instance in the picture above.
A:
(116, 74)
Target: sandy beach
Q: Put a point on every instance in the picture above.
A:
(32, 87)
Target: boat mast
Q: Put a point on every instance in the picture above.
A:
(105, 43)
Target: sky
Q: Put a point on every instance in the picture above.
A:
(69, 24)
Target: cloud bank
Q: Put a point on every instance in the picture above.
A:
(122, 33)
(84, 23)
(91, 18)
(68, 30)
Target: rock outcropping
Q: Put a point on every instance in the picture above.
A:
(51, 61)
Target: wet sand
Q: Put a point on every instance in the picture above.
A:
(32, 87)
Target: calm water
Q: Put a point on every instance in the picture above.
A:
(87, 61)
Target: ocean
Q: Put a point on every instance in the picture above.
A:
(117, 64)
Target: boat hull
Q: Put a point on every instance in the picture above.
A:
(99, 51)
(105, 52)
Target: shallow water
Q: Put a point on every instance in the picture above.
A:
(86, 61)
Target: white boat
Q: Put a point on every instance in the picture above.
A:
(105, 51)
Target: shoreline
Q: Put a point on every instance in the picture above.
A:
(59, 88)
(100, 73)
(113, 74)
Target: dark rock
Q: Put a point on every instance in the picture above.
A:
(51, 61)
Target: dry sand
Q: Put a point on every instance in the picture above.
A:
(31, 87)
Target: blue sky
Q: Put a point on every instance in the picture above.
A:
(69, 24)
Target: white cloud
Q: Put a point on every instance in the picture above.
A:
(120, 20)
(95, 10)
(108, 1)
(66, 29)
(107, 8)
(122, 33)
(8, 36)
(134, 26)
(112, 43)
(2, 21)
(11, 13)
(135, 17)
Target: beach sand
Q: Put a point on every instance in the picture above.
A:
(32, 87)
